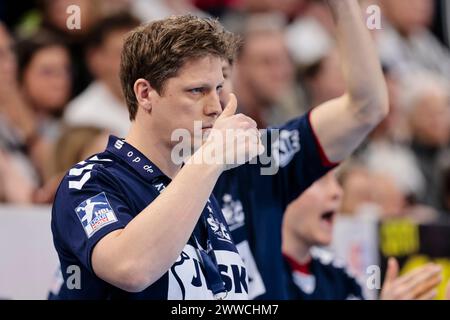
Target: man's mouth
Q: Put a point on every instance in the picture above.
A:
(328, 216)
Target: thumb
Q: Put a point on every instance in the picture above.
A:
(391, 272)
(230, 108)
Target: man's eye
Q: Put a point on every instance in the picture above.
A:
(219, 88)
(196, 90)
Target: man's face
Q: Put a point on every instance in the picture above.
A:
(311, 216)
(192, 95)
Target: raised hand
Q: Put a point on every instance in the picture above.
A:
(233, 140)
(418, 284)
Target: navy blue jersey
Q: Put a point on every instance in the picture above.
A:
(103, 194)
(253, 204)
(322, 279)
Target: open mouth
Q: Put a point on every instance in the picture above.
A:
(328, 216)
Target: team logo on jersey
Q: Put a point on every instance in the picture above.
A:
(186, 278)
(218, 227)
(233, 212)
(287, 146)
(95, 213)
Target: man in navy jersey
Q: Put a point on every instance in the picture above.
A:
(130, 223)
(316, 275)
(253, 204)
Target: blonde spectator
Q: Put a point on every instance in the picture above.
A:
(74, 145)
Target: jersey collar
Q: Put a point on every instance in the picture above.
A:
(134, 158)
(295, 266)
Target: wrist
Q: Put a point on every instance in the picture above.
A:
(204, 159)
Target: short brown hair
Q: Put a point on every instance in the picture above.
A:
(157, 51)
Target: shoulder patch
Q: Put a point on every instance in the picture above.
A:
(286, 146)
(95, 213)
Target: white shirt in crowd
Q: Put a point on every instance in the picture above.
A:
(98, 107)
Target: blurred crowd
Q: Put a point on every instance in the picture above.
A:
(60, 93)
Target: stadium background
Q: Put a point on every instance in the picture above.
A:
(60, 98)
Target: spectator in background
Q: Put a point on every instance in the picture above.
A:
(102, 104)
(18, 130)
(405, 41)
(387, 150)
(289, 8)
(111, 7)
(15, 186)
(426, 101)
(363, 187)
(446, 189)
(54, 18)
(317, 10)
(45, 82)
(148, 11)
(371, 190)
(264, 72)
(74, 145)
(217, 8)
(355, 181)
(323, 80)
(77, 144)
(316, 275)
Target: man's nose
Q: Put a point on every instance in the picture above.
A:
(213, 105)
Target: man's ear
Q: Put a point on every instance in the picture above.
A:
(144, 94)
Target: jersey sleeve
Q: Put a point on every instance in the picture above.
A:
(88, 206)
(298, 156)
